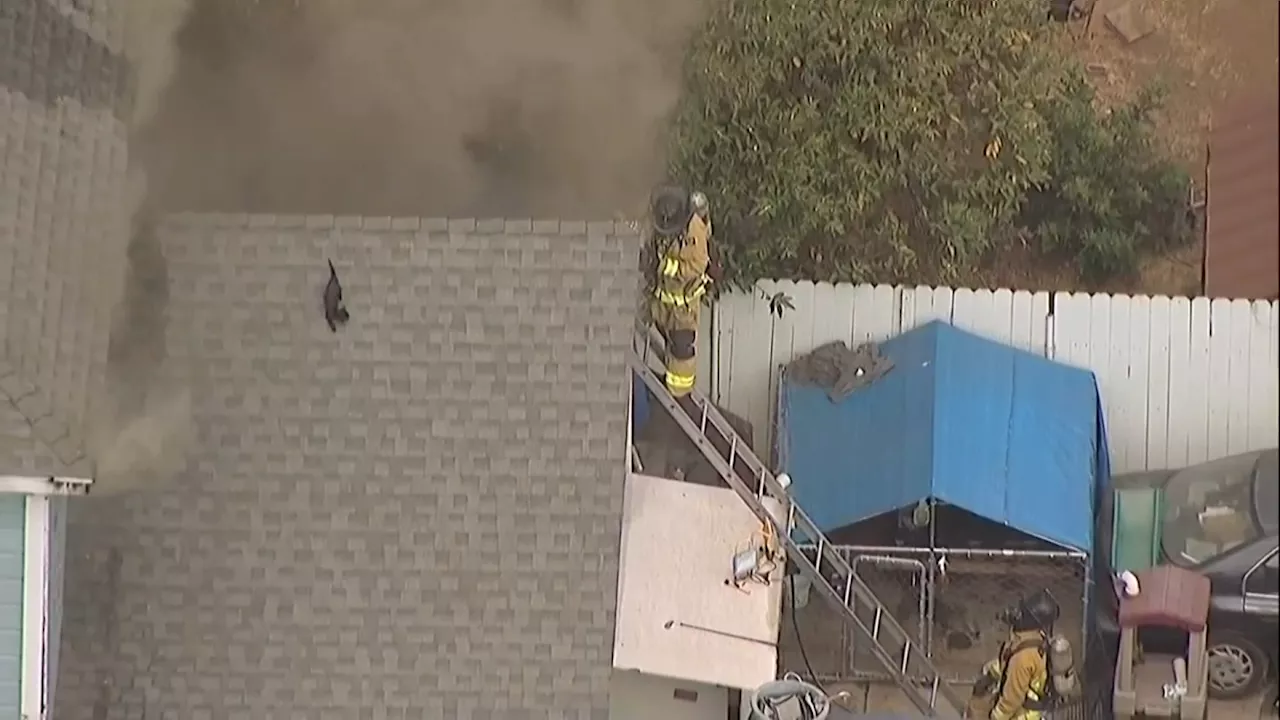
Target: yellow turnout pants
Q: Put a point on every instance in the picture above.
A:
(679, 327)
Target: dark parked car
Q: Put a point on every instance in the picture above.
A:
(1220, 519)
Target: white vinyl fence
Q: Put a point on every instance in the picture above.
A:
(1183, 380)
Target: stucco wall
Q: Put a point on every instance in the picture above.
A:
(639, 696)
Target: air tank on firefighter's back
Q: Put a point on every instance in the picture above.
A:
(1062, 660)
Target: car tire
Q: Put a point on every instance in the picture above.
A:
(1237, 666)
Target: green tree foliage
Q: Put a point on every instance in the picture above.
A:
(850, 140)
(1113, 193)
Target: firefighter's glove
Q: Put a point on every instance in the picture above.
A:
(988, 679)
(714, 271)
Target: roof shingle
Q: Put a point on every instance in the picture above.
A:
(417, 516)
(63, 231)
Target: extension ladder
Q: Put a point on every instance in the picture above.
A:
(830, 573)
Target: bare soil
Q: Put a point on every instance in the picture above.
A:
(883, 698)
(1204, 52)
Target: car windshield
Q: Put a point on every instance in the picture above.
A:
(1209, 510)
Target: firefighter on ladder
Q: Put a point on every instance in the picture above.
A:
(684, 273)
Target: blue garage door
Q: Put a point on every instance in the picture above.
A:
(13, 520)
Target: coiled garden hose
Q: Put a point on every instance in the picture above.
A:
(789, 699)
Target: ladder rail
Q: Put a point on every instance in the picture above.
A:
(768, 483)
(651, 355)
(826, 559)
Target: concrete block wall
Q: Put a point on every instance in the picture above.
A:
(64, 218)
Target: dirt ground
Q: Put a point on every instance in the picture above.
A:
(967, 603)
(817, 642)
(821, 633)
(880, 698)
(1206, 52)
(883, 697)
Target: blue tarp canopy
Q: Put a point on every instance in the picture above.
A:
(1004, 434)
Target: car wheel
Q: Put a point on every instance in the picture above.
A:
(1237, 667)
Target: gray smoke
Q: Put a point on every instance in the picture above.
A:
(422, 107)
(537, 108)
(141, 426)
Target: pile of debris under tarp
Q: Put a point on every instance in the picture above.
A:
(838, 368)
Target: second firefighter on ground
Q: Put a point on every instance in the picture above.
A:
(682, 278)
(1034, 669)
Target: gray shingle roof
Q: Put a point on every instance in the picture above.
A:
(63, 225)
(416, 517)
(63, 228)
(48, 55)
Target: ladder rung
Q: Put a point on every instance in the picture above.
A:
(827, 562)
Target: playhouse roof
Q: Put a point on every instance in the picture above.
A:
(1002, 433)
